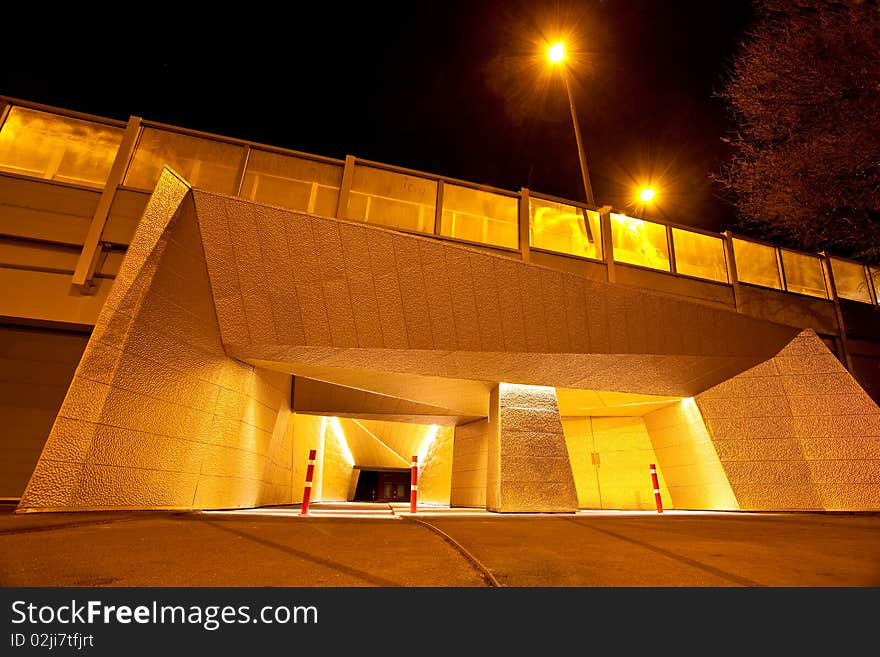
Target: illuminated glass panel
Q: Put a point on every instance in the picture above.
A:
(564, 228)
(55, 147)
(478, 216)
(639, 242)
(204, 163)
(292, 182)
(875, 278)
(392, 199)
(756, 264)
(803, 274)
(850, 280)
(699, 255)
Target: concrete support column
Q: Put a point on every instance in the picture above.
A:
(528, 468)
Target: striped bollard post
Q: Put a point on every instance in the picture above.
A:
(307, 491)
(656, 488)
(414, 485)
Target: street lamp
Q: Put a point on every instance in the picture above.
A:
(646, 195)
(556, 55)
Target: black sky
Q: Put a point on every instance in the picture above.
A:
(449, 87)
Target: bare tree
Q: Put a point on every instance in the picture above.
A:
(805, 94)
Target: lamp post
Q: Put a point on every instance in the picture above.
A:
(556, 55)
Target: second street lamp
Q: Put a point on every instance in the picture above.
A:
(646, 195)
(556, 54)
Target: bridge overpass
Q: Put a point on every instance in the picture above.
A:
(182, 339)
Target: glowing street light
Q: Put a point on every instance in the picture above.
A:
(556, 52)
(646, 195)
(556, 55)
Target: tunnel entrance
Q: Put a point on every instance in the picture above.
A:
(383, 485)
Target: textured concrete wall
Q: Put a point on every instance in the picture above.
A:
(469, 456)
(610, 459)
(794, 310)
(797, 432)
(157, 415)
(36, 367)
(367, 298)
(435, 471)
(687, 459)
(532, 462)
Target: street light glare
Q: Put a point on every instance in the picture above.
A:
(647, 195)
(556, 53)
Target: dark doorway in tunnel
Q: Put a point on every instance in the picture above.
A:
(384, 485)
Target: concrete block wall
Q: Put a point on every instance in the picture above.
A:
(528, 462)
(469, 455)
(796, 432)
(687, 460)
(157, 415)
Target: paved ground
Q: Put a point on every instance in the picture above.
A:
(381, 547)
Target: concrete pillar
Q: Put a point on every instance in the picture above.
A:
(528, 468)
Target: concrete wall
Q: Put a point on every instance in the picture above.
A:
(791, 309)
(610, 459)
(333, 477)
(687, 460)
(157, 415)
(366, 298)
(709, 292)
(531, 459)
(469, 457)
(43, 226)
(797, 432)
(435, 470)
(36, 367)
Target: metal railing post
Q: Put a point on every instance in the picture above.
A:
(838, 313)
(88, 258)
(242, 168)
(345, 187)
(524, 213)
(732, 276)
(607, 241)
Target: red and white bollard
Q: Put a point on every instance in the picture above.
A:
(656, 488)
(414, 485)
(307, 491)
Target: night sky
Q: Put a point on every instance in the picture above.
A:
(454, 88)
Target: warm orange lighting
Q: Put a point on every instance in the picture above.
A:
(340, 437)
(646, 194)
(430, 437)
(556, 52)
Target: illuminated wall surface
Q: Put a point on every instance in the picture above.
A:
(183, 396)
(358, 310)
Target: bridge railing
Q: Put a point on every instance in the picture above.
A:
(81, 150)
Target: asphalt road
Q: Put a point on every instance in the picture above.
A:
(582, 550)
